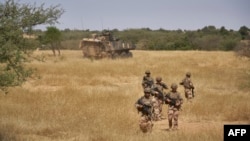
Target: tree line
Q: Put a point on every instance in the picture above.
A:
(208, 38)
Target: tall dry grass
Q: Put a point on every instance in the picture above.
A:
(71, 98)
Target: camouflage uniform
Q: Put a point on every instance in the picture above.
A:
(174, 101)
(156, 108)
(144, 106)
(188, 86)
(147, 81)
(158, 89)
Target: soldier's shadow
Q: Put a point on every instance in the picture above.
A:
(168, 130)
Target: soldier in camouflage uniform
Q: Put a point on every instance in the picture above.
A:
(147, 81)
(144, 106)
(188, 87)
(158, 88)
(174, 101)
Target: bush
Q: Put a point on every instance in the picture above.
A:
(243, 48)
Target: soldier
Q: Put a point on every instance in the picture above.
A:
(158, 88)
(144, 106)
(188, 87)
(147, 81)
(174, 101)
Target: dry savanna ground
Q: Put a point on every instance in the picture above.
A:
(74, 99)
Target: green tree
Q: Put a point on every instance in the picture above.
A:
(223, 31)
(244, 32)
(15, 20)
(53, 36)
(209, 29)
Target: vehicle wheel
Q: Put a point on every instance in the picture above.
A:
(129, 54)
(115, 56)
(124, 55)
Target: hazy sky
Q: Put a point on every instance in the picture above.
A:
(153, 14)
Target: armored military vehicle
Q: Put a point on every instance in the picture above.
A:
(105, 45)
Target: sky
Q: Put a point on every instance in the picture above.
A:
(153, 14)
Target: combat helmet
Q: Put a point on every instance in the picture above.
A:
(147, 90)
(188, 74)
(174, 86)
(147, 72)
(158, 79)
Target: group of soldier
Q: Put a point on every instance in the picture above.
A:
(151, 103)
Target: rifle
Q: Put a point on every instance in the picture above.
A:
(193, 93)
(147, 82)
(160, 93)
(172, 101)
(146, 109)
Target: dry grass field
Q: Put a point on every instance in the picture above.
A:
(76, 99)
